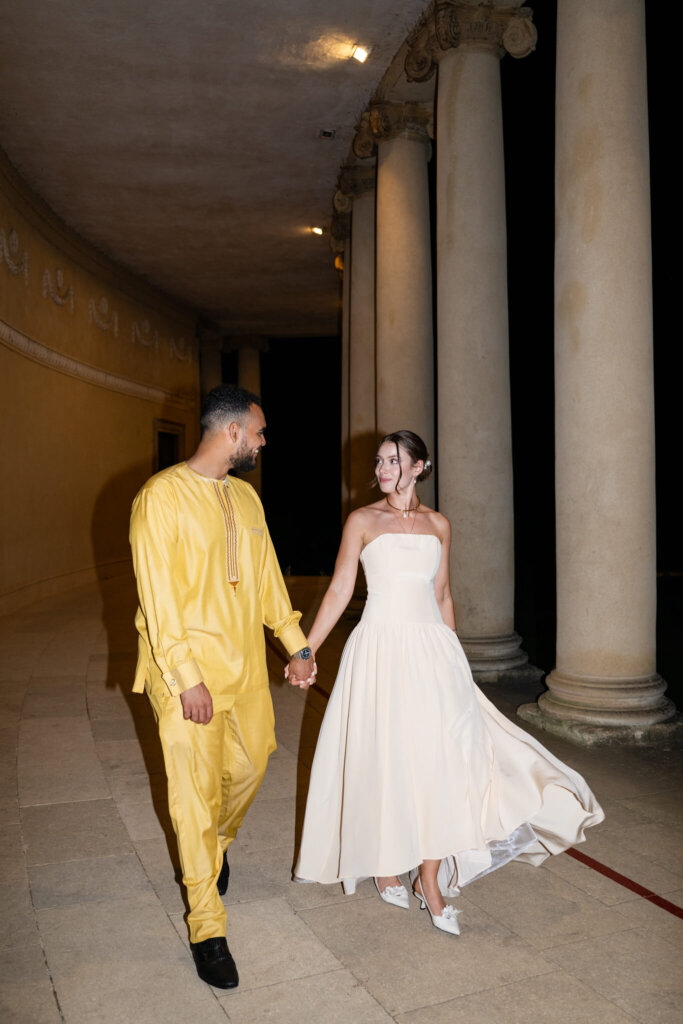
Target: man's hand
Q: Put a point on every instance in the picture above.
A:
(301, 673)
(197, 704)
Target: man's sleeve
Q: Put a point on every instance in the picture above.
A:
(153, 540)
(275, 604)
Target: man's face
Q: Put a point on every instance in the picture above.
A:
(251, 441)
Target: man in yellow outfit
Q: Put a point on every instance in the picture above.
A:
(208, 580)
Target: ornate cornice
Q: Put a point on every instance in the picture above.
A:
(448, 24)
(389, 120)
(40, 353)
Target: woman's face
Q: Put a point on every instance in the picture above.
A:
(391, 465)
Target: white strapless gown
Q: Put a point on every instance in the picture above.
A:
(413, 762)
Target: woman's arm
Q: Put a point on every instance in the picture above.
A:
(340, 590)
(442, 582)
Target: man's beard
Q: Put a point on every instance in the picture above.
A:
(244, 459)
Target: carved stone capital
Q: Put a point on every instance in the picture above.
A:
(411, 120)
(448, 24)
(363, 141)
(342, 202)
(340, 230)
(354, 180)
(388, 121)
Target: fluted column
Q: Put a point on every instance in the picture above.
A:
(357, 193)
(403, 293)
(605, 684)
(475, 447)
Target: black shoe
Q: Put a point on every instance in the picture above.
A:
(214, 962)
(224, 877)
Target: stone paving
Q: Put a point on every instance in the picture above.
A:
(92, 914)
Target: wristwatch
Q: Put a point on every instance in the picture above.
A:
(304, 653)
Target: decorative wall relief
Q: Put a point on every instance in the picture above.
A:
(9, 251)
(180, 349)
(39, 353)
(101, 315)
(60, 294)
(142, 334)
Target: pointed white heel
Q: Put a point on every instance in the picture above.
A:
(447, 921)
(397, 895)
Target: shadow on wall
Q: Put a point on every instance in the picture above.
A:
(109, 532)
(109, 537)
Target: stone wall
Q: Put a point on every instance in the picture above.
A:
(93, 363)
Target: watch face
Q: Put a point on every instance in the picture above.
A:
(304, 653)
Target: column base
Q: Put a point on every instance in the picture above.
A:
(593, 711)
(492, 657)
(586, 734)
(638, 701)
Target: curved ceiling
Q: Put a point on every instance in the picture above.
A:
(182, 138)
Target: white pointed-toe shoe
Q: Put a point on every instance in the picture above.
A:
(397, 895)
(446, 921)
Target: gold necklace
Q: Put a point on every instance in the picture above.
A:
(405, 511)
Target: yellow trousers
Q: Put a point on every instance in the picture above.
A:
(214, 772)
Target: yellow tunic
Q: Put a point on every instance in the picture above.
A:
(194, 623)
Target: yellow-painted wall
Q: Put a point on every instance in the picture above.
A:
(90, 359)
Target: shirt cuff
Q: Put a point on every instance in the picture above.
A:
(292, 638)
(183, 677)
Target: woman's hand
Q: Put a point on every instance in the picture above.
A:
(301, 673)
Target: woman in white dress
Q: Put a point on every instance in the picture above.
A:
(415, 770)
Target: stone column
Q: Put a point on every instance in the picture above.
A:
(403, 295)
(345, 382)
(340, 243)
(605, 685)
(475, 447)
(249, 377)
(357, 189)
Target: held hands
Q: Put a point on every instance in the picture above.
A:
(197, 704)
(301, 673)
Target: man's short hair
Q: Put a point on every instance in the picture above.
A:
(226, 404)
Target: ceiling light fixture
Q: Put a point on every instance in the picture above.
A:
(360, 54)
(317, 231)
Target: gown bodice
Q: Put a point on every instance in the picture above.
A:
(400, 570)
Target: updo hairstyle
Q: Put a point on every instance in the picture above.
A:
(415, 448)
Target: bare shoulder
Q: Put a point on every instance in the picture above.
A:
(355, 522)
(365, 522)
(439, 524)
(359, 520)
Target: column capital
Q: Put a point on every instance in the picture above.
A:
(388, 120)
(209, 335)
(236, 342)
(354, 181)
(487, 27)
(340, 229)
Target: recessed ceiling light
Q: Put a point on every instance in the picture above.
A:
(317, 231)
(360, 54)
